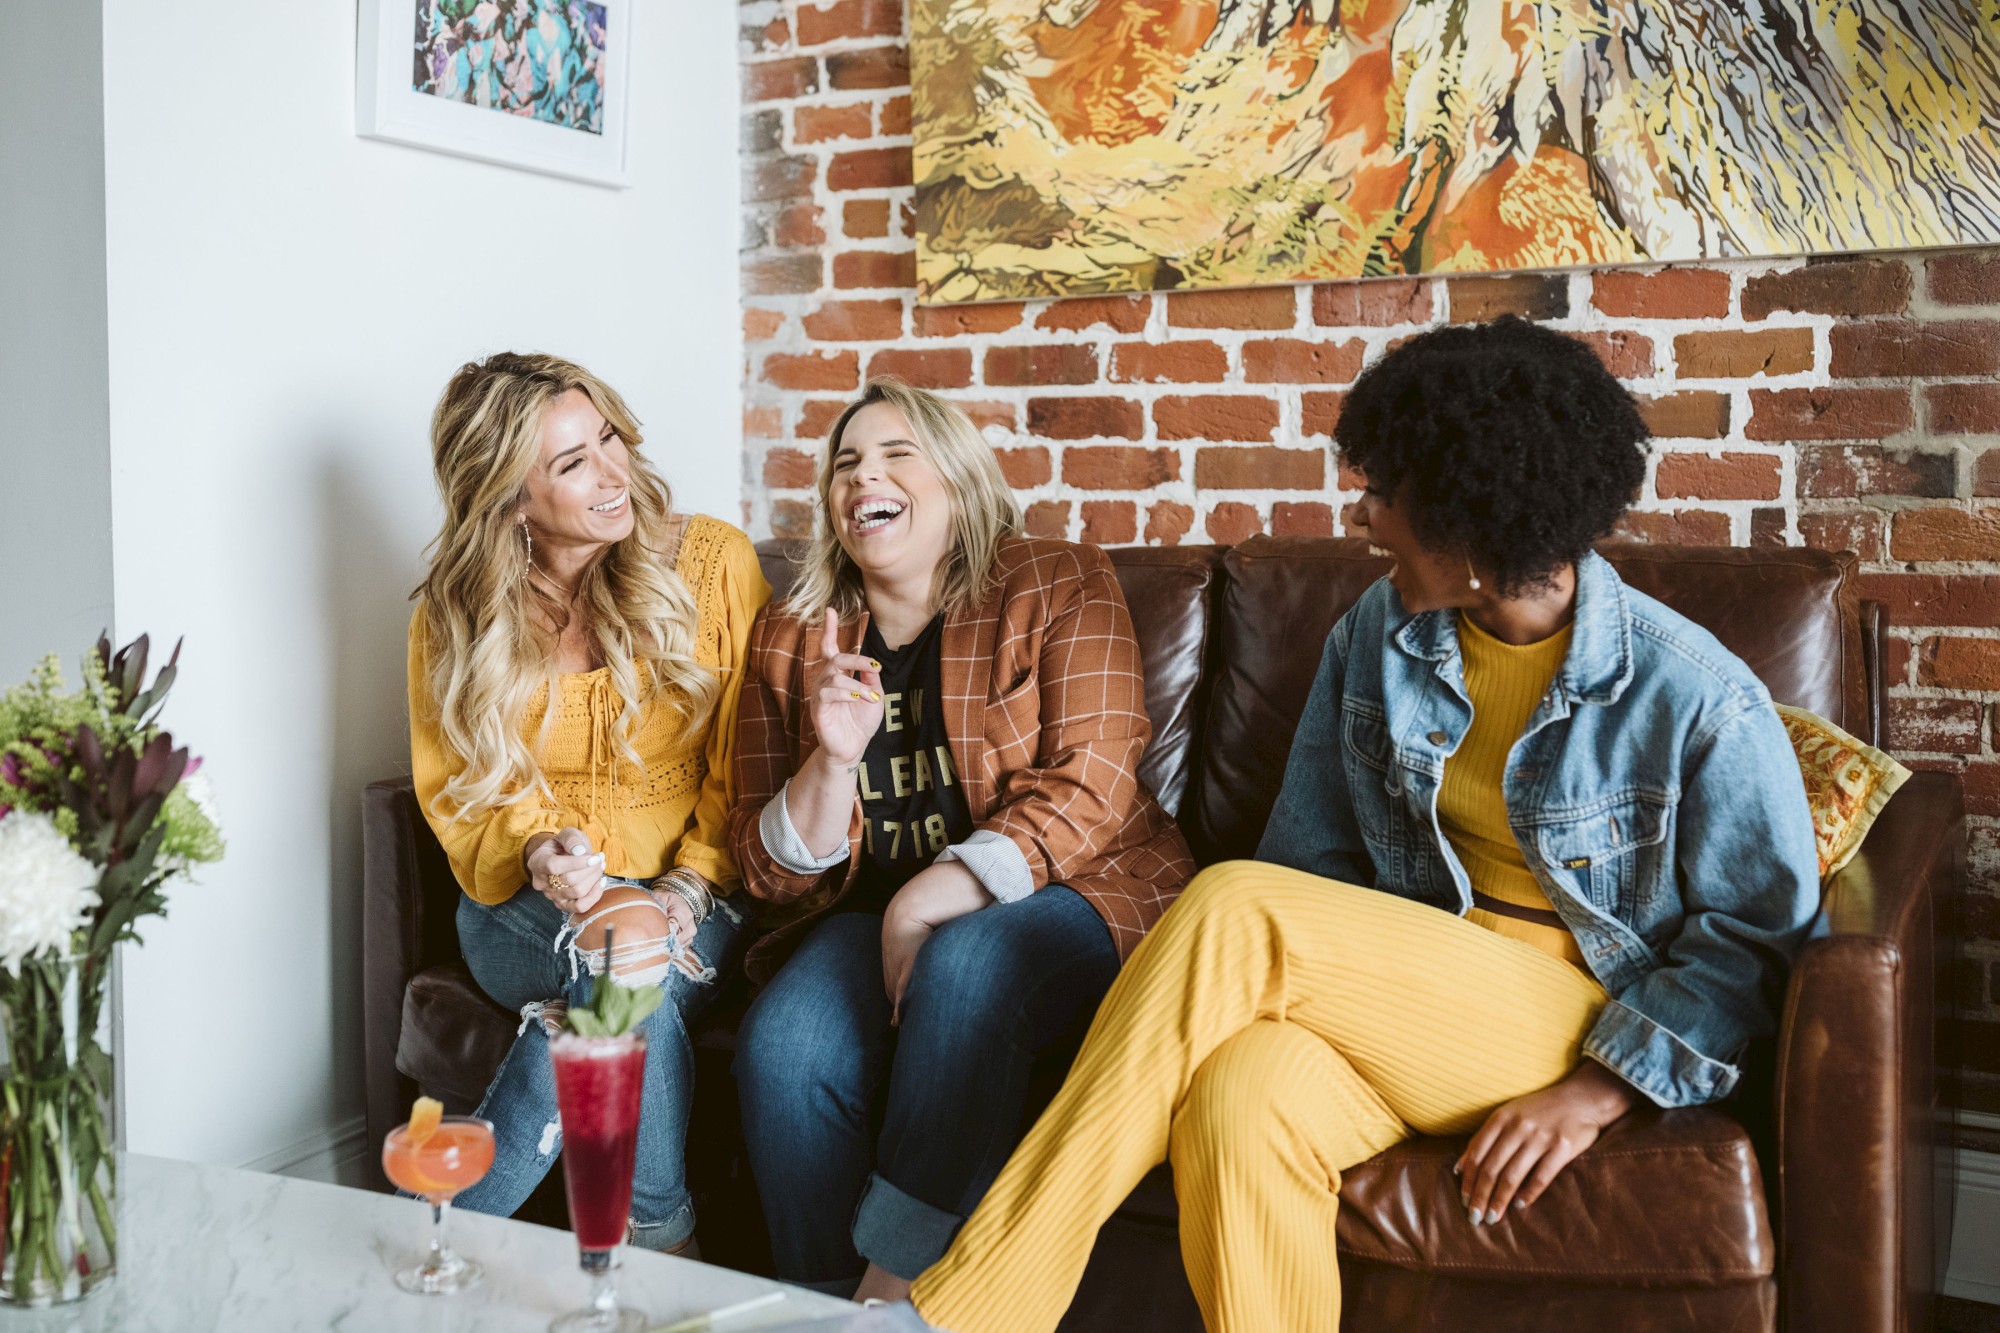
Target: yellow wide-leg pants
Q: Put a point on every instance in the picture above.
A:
(1273, 1030)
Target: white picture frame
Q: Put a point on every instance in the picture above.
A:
(388, 103)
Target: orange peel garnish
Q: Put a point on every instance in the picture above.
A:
(426, 1114)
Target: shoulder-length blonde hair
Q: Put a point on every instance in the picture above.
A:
(983, 509)
(487, 653)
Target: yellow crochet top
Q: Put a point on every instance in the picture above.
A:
(1505, 683)
(669, 812)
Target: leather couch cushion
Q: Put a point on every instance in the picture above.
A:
(1671, 1197)
(1168, 590)
(777, 558)
(1663, 1198)
(453, 1036)
(419, 867)
(1280, 598)
(1793, 616)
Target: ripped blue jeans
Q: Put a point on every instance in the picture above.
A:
(522, 954)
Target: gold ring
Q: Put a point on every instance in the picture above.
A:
(557, 882)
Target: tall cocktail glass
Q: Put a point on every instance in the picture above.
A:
(598, 1084)
(452, 1157)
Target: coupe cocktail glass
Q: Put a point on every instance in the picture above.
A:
(452, 1157)
(598, 1083)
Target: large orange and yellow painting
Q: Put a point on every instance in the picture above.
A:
(1074, 146)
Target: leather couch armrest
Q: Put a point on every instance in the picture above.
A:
(1857, 1088)
(391, 946)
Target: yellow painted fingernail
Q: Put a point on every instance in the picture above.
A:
(856, 694)
(877, 665)
(876, 697)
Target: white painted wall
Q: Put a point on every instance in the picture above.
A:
(286, 300)
(55, 461)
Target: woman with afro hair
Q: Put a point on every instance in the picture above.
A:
(1541, 855)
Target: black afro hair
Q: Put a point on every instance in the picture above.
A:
(1505, 441)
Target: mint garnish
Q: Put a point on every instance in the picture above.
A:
(615, 1009)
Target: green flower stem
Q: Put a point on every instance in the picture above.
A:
(102, 1207)
(61, 1223)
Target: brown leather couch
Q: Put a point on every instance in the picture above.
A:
(1819, 1198)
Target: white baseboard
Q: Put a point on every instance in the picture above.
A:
(1974, 1274)
(1979, 1120)
(337, 1156)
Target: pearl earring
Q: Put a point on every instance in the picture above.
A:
(528, 549)
(1471, 578)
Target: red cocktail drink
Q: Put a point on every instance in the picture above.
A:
(598, 1085)
(598, 1081)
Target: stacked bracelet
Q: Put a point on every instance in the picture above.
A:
(686, 886)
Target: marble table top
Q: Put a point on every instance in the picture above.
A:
(215, 1248)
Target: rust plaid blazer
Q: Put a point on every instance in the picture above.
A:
(1045, 705)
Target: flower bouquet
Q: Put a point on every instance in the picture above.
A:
(99, 814)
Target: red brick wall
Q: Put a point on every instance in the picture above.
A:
(1850, 404)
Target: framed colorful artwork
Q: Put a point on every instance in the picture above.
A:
(537, 84)
(1074, 146)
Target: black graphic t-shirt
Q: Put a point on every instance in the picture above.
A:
(911, 799)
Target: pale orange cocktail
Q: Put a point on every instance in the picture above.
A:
(434, 1157)
(456, 1155)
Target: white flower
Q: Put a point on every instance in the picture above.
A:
(196, 791)
(202, 793)
(46, 890)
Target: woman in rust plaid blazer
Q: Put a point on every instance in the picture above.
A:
(937, 792)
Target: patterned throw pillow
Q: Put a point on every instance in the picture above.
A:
(1847, 784)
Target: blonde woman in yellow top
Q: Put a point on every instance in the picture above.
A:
(575, 660)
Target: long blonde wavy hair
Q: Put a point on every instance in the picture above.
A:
(983, 510)
(488, 652)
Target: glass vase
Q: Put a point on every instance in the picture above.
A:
(58, 1158)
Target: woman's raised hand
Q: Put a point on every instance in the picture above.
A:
(845, 698)
(564, 870)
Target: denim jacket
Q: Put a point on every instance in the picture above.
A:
(1654, 796)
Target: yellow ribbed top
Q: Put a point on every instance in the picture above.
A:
(1505, 683)
(672, 810)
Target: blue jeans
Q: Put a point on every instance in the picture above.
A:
(514, 952)
(871, 1144)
